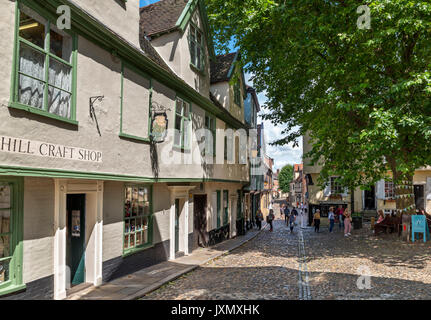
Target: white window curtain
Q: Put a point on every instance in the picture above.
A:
(31, 67)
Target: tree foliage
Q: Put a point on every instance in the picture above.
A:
(363, 95)
(285, 177)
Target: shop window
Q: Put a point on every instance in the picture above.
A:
(389, 190)
(45, 67)
(10, 236)
(137, 217)
(182, 124)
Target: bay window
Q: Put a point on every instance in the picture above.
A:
(10, 235)
(44, 68)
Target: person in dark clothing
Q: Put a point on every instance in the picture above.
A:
(259, 219)
(294, 211)
(271, 218)
(316, 221)
(286, 215)
(292, 219)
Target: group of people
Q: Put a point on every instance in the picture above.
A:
(344, 220)
(269, 219)
(289, 217)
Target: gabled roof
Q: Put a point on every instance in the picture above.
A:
(253, 93)
(167, 16)
(161, 16)
(222, 67)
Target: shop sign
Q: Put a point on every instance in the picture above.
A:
(48, 150)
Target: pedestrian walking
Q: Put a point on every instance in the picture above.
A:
(347, 223)
(316, 221)
(331, 217)
(294, 211)
(259, 219)
(292, 219)
(270, 219)
(340, 214)
(281, 211)
(286, 215)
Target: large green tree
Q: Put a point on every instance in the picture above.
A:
(363, 95)
(285, 177)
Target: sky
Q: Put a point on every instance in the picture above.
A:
(282, 155)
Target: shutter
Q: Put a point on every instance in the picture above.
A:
(380, 189)
(428, 189)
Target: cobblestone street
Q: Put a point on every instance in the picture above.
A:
(270, 266)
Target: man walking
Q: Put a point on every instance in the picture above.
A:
(286, 215)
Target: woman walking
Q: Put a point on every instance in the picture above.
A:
(259, 219)
(316, 220)
(347, 223)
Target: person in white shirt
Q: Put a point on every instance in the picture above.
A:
(331, 217)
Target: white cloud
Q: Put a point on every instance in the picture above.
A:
(282, 155)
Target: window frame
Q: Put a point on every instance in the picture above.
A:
(132, 68)
(389, 190)
(201, 46)
(149, 243)
(15, 282)
(213, 119)
(46, 51)
(189, 118)
(336, 185)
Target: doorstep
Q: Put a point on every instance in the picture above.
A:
(142, 282)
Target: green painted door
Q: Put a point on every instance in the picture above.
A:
(76, 237)
(177, 225)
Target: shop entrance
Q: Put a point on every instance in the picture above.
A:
(200, 234)
(75, 253)
(370, 199)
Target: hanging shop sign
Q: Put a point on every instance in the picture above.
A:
(159, 122)
(48, 150)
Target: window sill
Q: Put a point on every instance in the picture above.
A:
(181, 149)
(133, 251)
(16, 105)
(132, 137)
(197, 70)
(12, 289)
